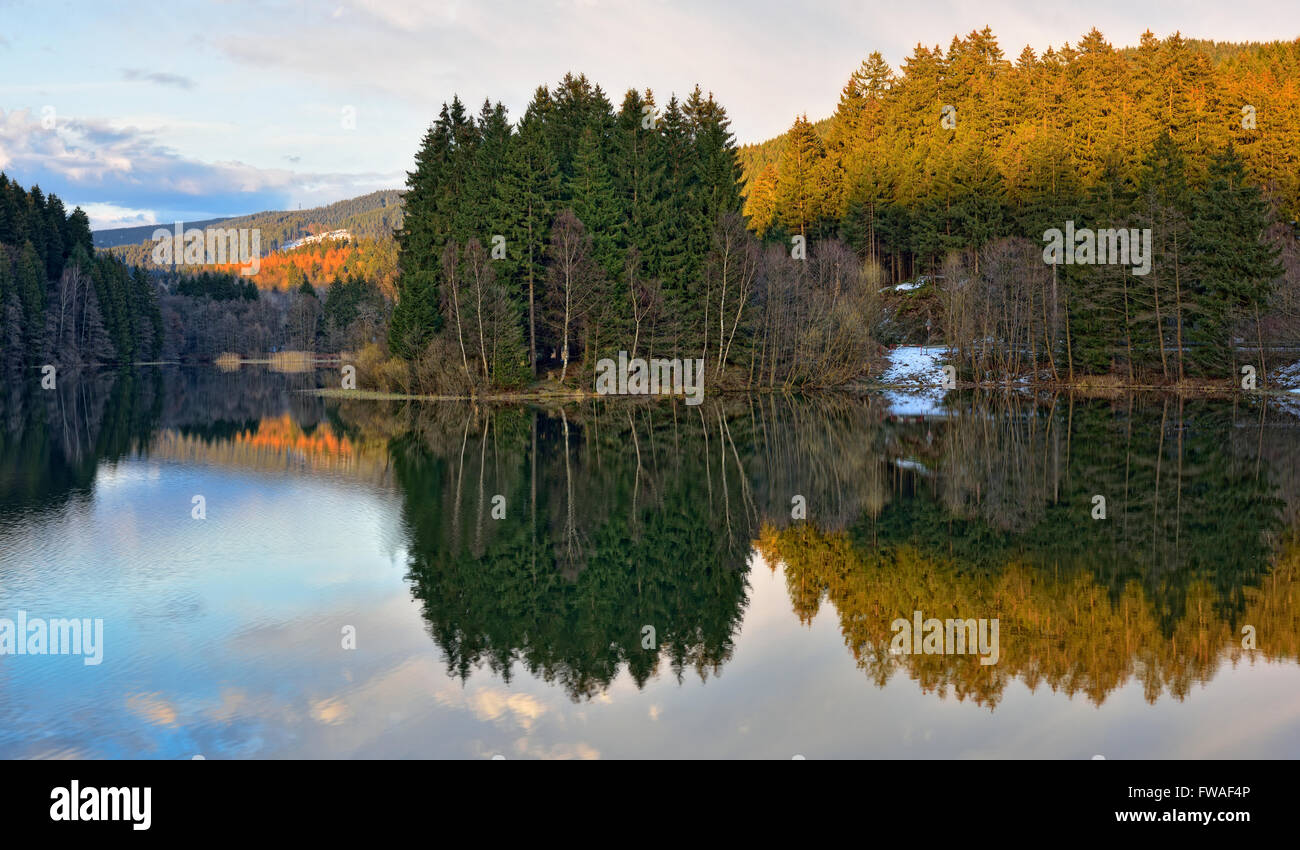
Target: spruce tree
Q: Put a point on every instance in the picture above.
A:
(799, 193)
(7, 290)
(416, 315)
(760, 202)
(485, 187)
(594, 202)
(30, 283)
(532, 184)
(78, 232)
(55, 250)
(1234, 268)
(638, 170)
(1180, 321)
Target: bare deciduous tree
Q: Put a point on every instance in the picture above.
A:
(575, 279)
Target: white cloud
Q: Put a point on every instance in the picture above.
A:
(267, 100)
(125, 171)
(766, 63)
(111, 215)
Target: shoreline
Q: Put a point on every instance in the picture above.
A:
(1081, 389)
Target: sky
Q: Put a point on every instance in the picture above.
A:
(144, 112)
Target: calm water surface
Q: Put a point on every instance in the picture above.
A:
(526, 635)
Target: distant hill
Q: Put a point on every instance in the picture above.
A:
(372, 216)
(118, 236)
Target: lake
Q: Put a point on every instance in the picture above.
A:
(281, 575)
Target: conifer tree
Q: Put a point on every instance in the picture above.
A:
(1233, 267)
(1163, 206)
(531, 186)
(639, 169)
(593, 200)
(30, 283)
(760, 203)
(670, 261)
(416, 316)
(485, 189)
(799, 190)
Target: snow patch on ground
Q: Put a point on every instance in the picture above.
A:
(908, 286)
(1288, 402)
(919, 369)
(1287, 377)
(915, 364)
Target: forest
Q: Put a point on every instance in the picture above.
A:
(957, 165)
(60, 303)
(64, 304)
(206, 314)
(373, 260)
(530, 251)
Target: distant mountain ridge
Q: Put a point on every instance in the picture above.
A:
(371, 216)
(116, 237)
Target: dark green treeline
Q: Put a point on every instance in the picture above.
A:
(601, 220)
(59, 303)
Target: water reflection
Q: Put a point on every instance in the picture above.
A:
(565, 545)
(632, 515)
(614, 520)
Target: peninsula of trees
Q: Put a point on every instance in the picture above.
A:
(586, 230)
